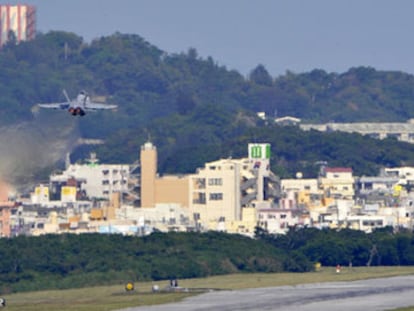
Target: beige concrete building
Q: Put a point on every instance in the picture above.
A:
(215, 193)
(337, 182)
(160, 190)
(300, 184)
(172, 189)
(221, 190)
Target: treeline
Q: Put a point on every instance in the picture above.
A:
(383, 247)
(67, 261)
(148, 83)
(182, 149)
(64, 261)
(196, 110)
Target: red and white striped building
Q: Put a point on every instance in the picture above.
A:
(20, 18)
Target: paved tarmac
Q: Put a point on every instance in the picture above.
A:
(367, 295)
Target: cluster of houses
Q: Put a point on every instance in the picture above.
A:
(230, 195)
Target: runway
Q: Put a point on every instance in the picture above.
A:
(366, 295)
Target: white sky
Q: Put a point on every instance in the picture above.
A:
(295, 35)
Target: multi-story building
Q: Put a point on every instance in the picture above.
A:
(278, 220)
(94, 180)
(5, 214)
(299, 191)
(216, 193)
(19, 19)
(221, 189)
(405, 173)
(337, 182)
(215, 196)
(157, 189)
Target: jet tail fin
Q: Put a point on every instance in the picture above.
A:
(66, 95)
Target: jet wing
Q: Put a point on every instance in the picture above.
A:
(64, 105)
(98, 106)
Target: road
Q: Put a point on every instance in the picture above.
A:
(366, 295)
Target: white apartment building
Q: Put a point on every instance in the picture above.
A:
(97, 180)
(403, 131)
(404, 173)
(278, 221)
(300, 184)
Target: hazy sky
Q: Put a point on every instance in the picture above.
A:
(295, 35)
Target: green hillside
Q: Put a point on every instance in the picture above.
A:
(192, 107)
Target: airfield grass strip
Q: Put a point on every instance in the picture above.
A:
(106, 298)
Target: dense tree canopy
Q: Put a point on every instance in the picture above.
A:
(186, 103)
(67, 261)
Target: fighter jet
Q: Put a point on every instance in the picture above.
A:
(78, 106)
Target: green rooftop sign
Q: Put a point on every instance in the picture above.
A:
(259, 151)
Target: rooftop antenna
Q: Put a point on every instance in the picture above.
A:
(148, 135)
(67, 160)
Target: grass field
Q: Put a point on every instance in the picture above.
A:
(114, 297)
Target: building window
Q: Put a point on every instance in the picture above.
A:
(199, 198)
(199, 183)
(368, 186)
(105, 182)
(216, 196)
(215, 181)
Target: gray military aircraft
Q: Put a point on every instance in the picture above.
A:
(78, 106)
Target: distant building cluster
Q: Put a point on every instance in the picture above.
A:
(397, 130)
(229, 195)
(17, 20)
(402, 131)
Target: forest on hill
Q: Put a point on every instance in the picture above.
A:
(69, 260)
(195, 110)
